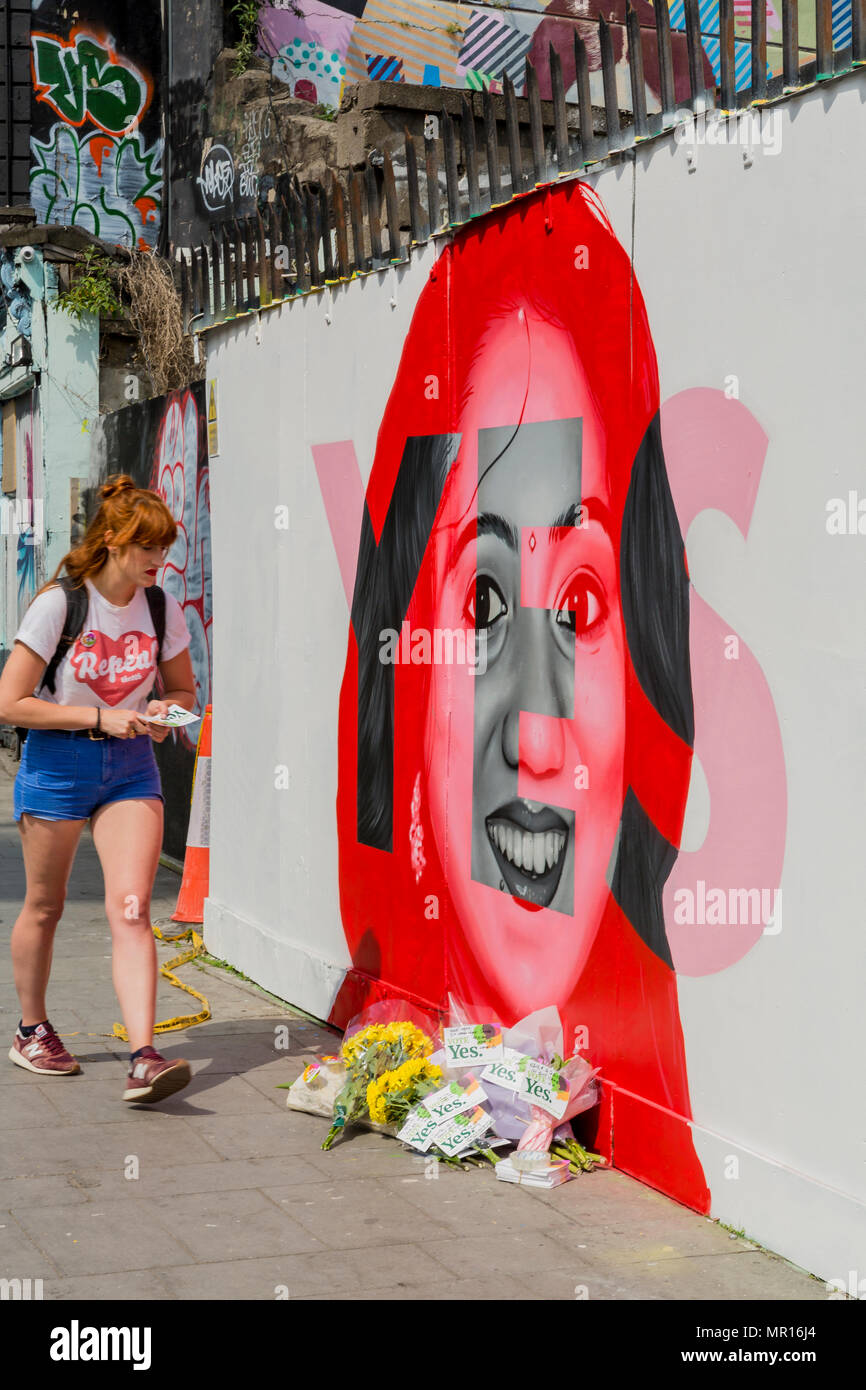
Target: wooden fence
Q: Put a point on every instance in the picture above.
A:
(316, 235)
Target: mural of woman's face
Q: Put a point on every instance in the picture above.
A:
(524, 756)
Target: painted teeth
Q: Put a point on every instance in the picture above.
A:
(532, 853)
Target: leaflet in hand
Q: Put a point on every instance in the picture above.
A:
(176, 717)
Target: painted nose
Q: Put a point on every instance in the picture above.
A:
(543, 697)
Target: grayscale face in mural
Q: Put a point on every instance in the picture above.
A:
(529, 492)
(525, 758)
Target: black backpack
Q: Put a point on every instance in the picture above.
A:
(77, 600)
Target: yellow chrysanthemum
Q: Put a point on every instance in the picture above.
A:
(376, 1101)
(396, 1080)
(411, 1040)
(361, 1040)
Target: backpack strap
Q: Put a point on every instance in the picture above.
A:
(77, 600)
(156, 603)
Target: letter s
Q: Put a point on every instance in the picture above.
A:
(714, 451)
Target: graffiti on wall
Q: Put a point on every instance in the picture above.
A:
(531, 677)
(25, 563)
(216, 182)
(162, 444)
(180, 476)
(96, 146)
(16, 301)
(22, 529)
(30, 537)
(316, 48)
(231, 181)
(257, 128)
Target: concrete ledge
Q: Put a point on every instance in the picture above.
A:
(828, 1238)
(292, 972)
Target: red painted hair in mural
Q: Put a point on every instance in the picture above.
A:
(516, 715)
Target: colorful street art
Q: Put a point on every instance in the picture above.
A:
(29, 530)
(22, 528)
(162, 444)
(96, 145)
(29, 537)
(180, 476)
(16, 301)
(530, 674)
(317, 48)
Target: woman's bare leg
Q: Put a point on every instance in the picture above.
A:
(128, 839)
(49, 850)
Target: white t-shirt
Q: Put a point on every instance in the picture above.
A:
(112, 662)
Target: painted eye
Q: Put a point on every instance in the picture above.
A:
(486, 606)
(585, 606)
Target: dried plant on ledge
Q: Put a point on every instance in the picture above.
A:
(155, 312)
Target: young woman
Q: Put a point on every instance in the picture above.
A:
(89, 756)
(507, 824)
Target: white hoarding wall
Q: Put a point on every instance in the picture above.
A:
(720, 988)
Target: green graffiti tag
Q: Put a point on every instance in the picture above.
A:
(85, 79)
(112, 187)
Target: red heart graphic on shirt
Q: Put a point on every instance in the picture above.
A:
(113, 666)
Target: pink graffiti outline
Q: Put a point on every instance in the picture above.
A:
(183, 574)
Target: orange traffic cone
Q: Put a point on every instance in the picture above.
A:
(196, 864)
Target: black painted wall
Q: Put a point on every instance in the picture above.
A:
(14, 102)
(195, 38)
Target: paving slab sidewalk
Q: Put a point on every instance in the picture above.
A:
(221, 1192)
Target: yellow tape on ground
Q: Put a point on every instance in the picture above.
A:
(171, 1025)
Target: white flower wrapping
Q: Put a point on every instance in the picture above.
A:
(539, 1036)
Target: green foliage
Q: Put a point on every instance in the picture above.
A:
(91, 290)
(246, 12)
(325, 112)
(246, 16)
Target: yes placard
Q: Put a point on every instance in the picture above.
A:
(455, 1098)
(176, 717)
(468, 1044)
(419, 1129)
(462, 1131)
(543, 1086)
(505, 1073)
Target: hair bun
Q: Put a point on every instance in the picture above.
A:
(116, 484)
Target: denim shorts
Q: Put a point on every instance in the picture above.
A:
(63, 777)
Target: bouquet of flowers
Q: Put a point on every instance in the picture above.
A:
(388, 1068)
(532, 1093)
(573, 1080)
